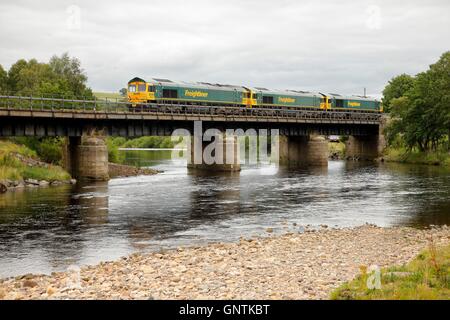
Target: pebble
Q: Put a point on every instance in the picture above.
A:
(29, 284)
(286, 266)
(50, 291)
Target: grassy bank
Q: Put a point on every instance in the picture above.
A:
(426, 277)
(415, 157)
(15, 162)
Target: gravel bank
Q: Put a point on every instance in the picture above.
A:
(291, 266)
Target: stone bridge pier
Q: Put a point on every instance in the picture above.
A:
(303, 151)
(222, 154)
(86, 157)
(367, 147)
(364, 148)
(293, 151)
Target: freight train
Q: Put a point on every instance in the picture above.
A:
(163, 91)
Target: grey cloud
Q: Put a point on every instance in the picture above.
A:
(332, 46)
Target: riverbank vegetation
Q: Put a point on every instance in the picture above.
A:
(114, 143)
(47, 149)
(402, 155)
(426, 277)
(336, 150)
(31, 157)
(419, 107)
(18, 162)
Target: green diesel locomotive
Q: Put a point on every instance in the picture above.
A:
(156, 90)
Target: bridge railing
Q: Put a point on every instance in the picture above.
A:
(45, 103)
(117, 106)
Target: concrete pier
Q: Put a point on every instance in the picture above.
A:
(303, 151)
(368, 147)
(364, 148)
(86, 158)
(219, 155)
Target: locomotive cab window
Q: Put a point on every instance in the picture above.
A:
(132, 88)
(170, 93)
(141, 87)
(151, 89)
(268, 99)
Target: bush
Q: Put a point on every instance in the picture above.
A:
(12, 168)
(48, 149)
(113, 145)
(336, 149)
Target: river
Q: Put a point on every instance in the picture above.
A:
(48, 229)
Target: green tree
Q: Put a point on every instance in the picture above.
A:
(3, 81)
(421, 115)
(71, 74)
(14, 75)
(35, 78)
(61, 77)
(438, 92)
(123, 91)
(396, 88)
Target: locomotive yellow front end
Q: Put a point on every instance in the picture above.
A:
(326, 102)
(140, 92)
(249, 98)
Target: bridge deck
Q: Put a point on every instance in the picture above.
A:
(31, 107)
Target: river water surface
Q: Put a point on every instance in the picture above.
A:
(48, 229)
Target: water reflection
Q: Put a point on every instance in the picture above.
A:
(46, 229)
(181, 206)
(90, 202)
(220, 198)
(48, 223)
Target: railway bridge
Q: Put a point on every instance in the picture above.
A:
(300, 133)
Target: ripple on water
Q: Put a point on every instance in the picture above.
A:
(47, 229)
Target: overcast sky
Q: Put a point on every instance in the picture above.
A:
(329, 46)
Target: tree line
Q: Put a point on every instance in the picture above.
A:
(419, 107)
(61, 77)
